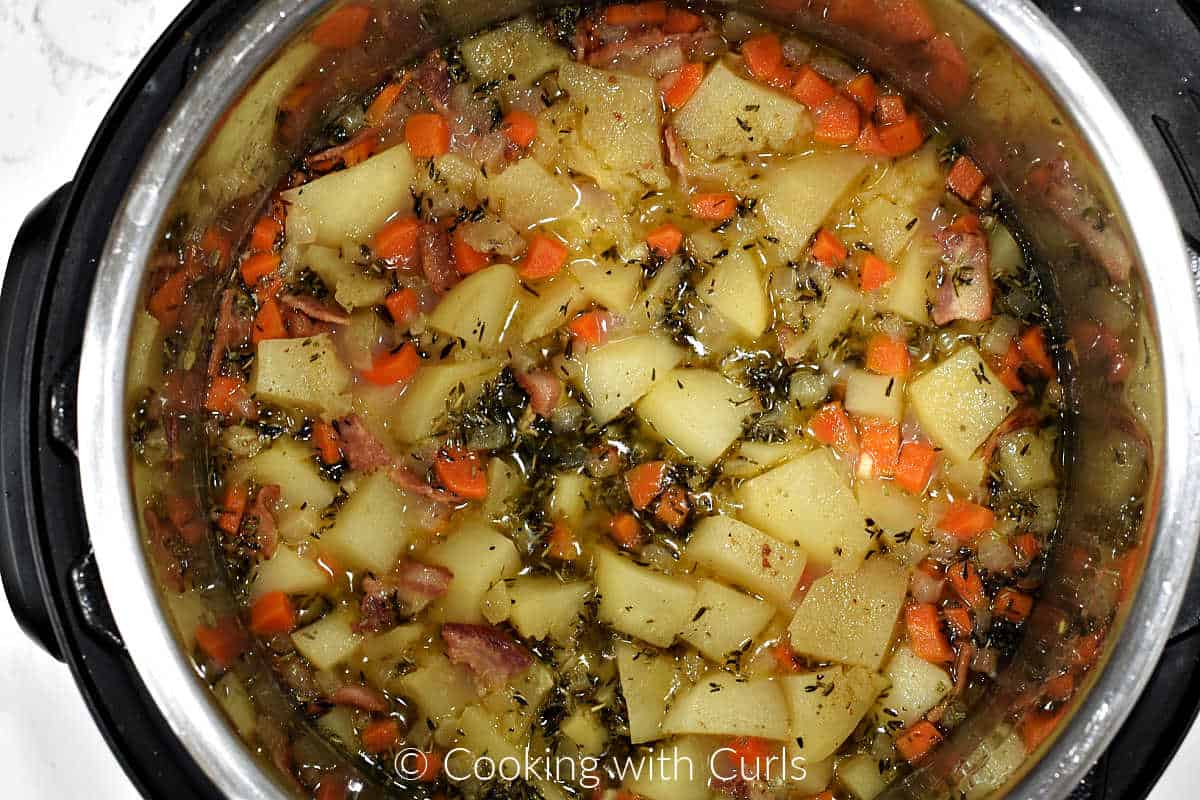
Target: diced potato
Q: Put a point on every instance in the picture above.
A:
(960, 402)
(908, 294)
(373, 527)
(916, 687)
(817, 774)
(423, 406)
(303, 373)
(585, 730)
(519, 48)
(735, 289)
(723, 620)
(288, 571)
(871, 395)
(1003, 754)
(543, 607)
(648, 680)
(515, 704)
(1007, 258)
(353, 287)
(889, 226)
(304, 494)
(966, 476)
(235, 701)
(699, 411)
(851, 618)
(723, 704)
(478, 555)
(808, 501)
(892, 509)
(640, 602)
(526, 194)
(145, 353)
(1024, 458)
(188, 610)
(827, 705)
(556, 302)
(439, 689)
(338, 724)
(687, 773)
(752, 457)
(831, 318)
(732, 116)
(612, 284)
(860, 775)
(366, 334)
(330, 640)
(747, 557)
(799, 193)
(395, 644)
(504, 482)
(572, 493)
(619, 373)
(478, 309)
(478, 733)
(353, 203)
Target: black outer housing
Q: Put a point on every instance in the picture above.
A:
(45, 552)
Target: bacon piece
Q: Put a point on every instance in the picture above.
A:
(231, 330)
(166, 549)
(966, 289)
(183, 391)
(404, 593)
(421, 584)
(435, 258)
(363, 450)
(261, 514)
(317, 309)
(355, 695)
(408, 480)
(676, 156)
(544, 390)
(491, 654)
(301, 325)
(432, 77)
(1079, 210)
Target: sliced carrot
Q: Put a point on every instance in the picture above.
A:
(625, 529)
(166, 301)
(1060, 688)
(965, 179)
(1027, 546)
(665, 240)
(890, 109)
(1036, 726)
(258, 266)
(811, 89)
(645, 481)
(428, 135)
(839, 121)
(673, 507)
(332, 786)
(463, 472)
(680, 84)
(381, 735)
(544, 258)
(763, 53)
(681, 20)
(403, 305)
(272, 614)
(862, 88)
(965, 581)
(1009, 368)
(384, 101)
(223, 643)
(343, 28)
(326, 440)
(966, 223)
(785, 658)
(888, 356)
(265, 234)
(268, 323)
(397, 240)
(233, 506)
(591, 327)
(562, 543)
(1012, 605)
(294, 100)
(748, 753)
(875, 273)
(879, 445)
(902, 138)
(268, 288)
(713, 206)
(828, 249)
(918, 740)
(868, 141)
(831, 426)
(636, 15)
(519, 127)
(916, 466)
(966, 520)
(467, 259)
(393, 367)
(427, 766)
(223, 393)
(958, 619)
(925, 634)
(1033, 345)
(215, 242)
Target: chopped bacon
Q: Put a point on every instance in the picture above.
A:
(165, 547)
(491, 654)
(650, 52)
(676, 156)
(355, 695)
(432, 77)
(435, 258)
(792, 345)
(422, 583)
(183, 391)
(347, 153)
(231, 330)
(300, 325)
(362, 448)
(544, 390)
(262, 515)
(317, 309)
(966, 289)
(1080, 211)
(410, 481)
(405, 592)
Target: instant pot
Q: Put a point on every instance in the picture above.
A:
(69, 554)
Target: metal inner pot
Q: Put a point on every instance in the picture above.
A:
(1062, 108)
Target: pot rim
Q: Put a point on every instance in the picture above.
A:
(104, 455)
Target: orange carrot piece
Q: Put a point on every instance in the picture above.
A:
(902, 138)
(222, 643)
(544, 258)
(965, 179)
(764, 57)
(268, 323)
(749, 753)
(397, 240)
(828, 249)
(265, 234)
(625, 529)
(1036, 726)
(811, 89)
(467, 259)
(888, 356)
(428, 135)
(839, 121)
(1012, 605)
(958, 619)
(875, 273)
(645, 481)
(272, 614)
(925, 634)
(326, 440)
(918, 740)
(562, 543)
(403, 305)
(1060, 688)
(342, 28)
(785, 659)
(394, 367)
(591, 327)
(166, 301)
(222, 392)
(965, 581)
(915, 468)
(868, 141)
(519, 127)
(862, 88)
(233, 506)
(681, 84)
(384, 101)
(713, 206)
(1033, 346)
(1009, 369)
(966, 520)
(636, 15)
(831, 426)
(427, 766)
(879, 443)
(665, 240)
(1027, 546)
(680, 20)
(463, 472)
(258, 266)
(214, 241)
(381, 736)
(673, 507)
(890, 109)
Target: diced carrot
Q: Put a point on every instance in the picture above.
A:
(862, 88)
(273, 613)
(916, 465)
(764, 57)
(544, 258)
(888, 356)
(223, 643)
(591, 327)
(265, 234)
(1033, 345)
(918, 740)
(868, 141)
(1036, 726)
(636, 15)
(384, 101)
(222, 393)
(679, 85)
(427, 766)
(890, 109)
(258, 266)
(397, 240)
(925, 634)
(428, 135)
(294, 100)
(665, 240)
(965, 179)
(233, 506)
(381, 735)
(879, 445)
(1026, 546)
(828, 249)
(467, 259)
(166, 301)
(1012, 605)
(463, 472)
(403, 305)
(959, 620)
(562, 543)
(268, 288)
(749, 752)
(645, 481)
(393, 367)
(268, 323)
(966, 223)
(625, 529)
(215, 242)
(875, 273)
(902, 138)
(1060, 688)
(342, 28)
(785, 658)
(811, 89)
(326, 440)
(831, 426)
(519, 127)
(838, 121)
(332, 786)
(966, 520)
(713, 206)
(1009, 368)
(673, 507)
(825, 795)
(1087, 648)
(965, 581)
(681, 20)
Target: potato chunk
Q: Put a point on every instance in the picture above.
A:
(908, 294)
(640, 602)
(353, 286)
(288, 571)
(960, 402)
(618, 374)
(1025, 461)
(478, 555)
(851, 618)
(808, 501)
(699, 411)
(302, 373)
(736, 290)
(723, 704)
(373, 527)
(747, 557)
(543, 607)
(527, 193)
(723, 620)
(798, 194)
(304, 493)
(916, 687)
(519, 48)
(330, 640)
(731, 116)
(648, 680)
(687, 773)
(871, 395)
(478, 309)
(827, 705)
(423, 405)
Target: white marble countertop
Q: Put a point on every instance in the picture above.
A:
(63, 62)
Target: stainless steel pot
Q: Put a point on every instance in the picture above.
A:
(1060, 86)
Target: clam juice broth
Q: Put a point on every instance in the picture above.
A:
(626, 381)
